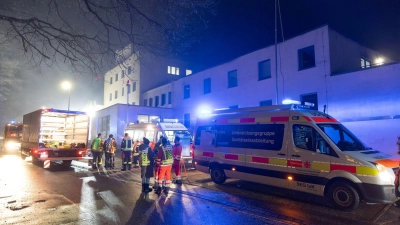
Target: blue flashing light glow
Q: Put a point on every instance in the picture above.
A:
(290, 101)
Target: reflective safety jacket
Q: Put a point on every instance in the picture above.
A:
(177, 152)
(96, 145)
(126, 144)
(145, 155)
(164, 155)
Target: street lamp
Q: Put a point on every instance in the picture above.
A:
(66, 85)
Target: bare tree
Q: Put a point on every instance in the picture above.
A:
(86, 34)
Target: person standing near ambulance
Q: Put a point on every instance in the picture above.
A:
(96, 151)
(126, 148)
(176, 155)
(109, 148)
(146, 163)
(164, 158)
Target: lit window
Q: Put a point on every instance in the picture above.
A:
(188, 72)
(365, 63)
(173, 70)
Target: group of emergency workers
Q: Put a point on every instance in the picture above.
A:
(155, 160)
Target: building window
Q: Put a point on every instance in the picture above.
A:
(116, 94)
(163, 99)
(133, 86)
(110, 96)
(129, 70)
(264, 69)
(365, 63)
(234, 107)
(110, 80)
(311, 98)
(186, 91)
(116, 77)
(306, 58)
(186, 120)
(151, 102)
(103, 126)
(173, 70)
(122, 74)
(145, 102)
(266, 102)
(157, 102)
(128, 89)
(169, 97)
(188, 72)
(122, 94)
(232, 78)
(207, 85)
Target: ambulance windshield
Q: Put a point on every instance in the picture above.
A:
(183, 134)
(343, 138)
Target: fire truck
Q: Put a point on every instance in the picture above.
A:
(12, 135)
(52, 135)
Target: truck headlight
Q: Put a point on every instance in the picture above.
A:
(384, 174)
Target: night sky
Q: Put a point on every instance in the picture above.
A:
(242, 26)
(238, 28)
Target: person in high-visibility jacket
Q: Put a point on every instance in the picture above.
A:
(96, 150)
(146, 163)
(164, 158)
(176, 155)
(126, 148)
(136, 154)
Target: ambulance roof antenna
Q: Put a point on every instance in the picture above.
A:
(324, 108)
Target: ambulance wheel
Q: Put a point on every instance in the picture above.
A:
(217, 175)
(343, 196)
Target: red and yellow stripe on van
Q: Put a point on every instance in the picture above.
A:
(292, 163)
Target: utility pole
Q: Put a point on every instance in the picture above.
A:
(276, 49)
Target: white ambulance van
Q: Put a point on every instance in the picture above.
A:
(293, 147)
(168, 128)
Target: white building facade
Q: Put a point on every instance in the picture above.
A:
(320, 66)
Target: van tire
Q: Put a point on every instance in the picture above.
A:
(343, 196)
(217, 175)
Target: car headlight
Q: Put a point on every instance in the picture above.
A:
(386, 177)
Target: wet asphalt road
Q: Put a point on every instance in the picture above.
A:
(30, 194)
